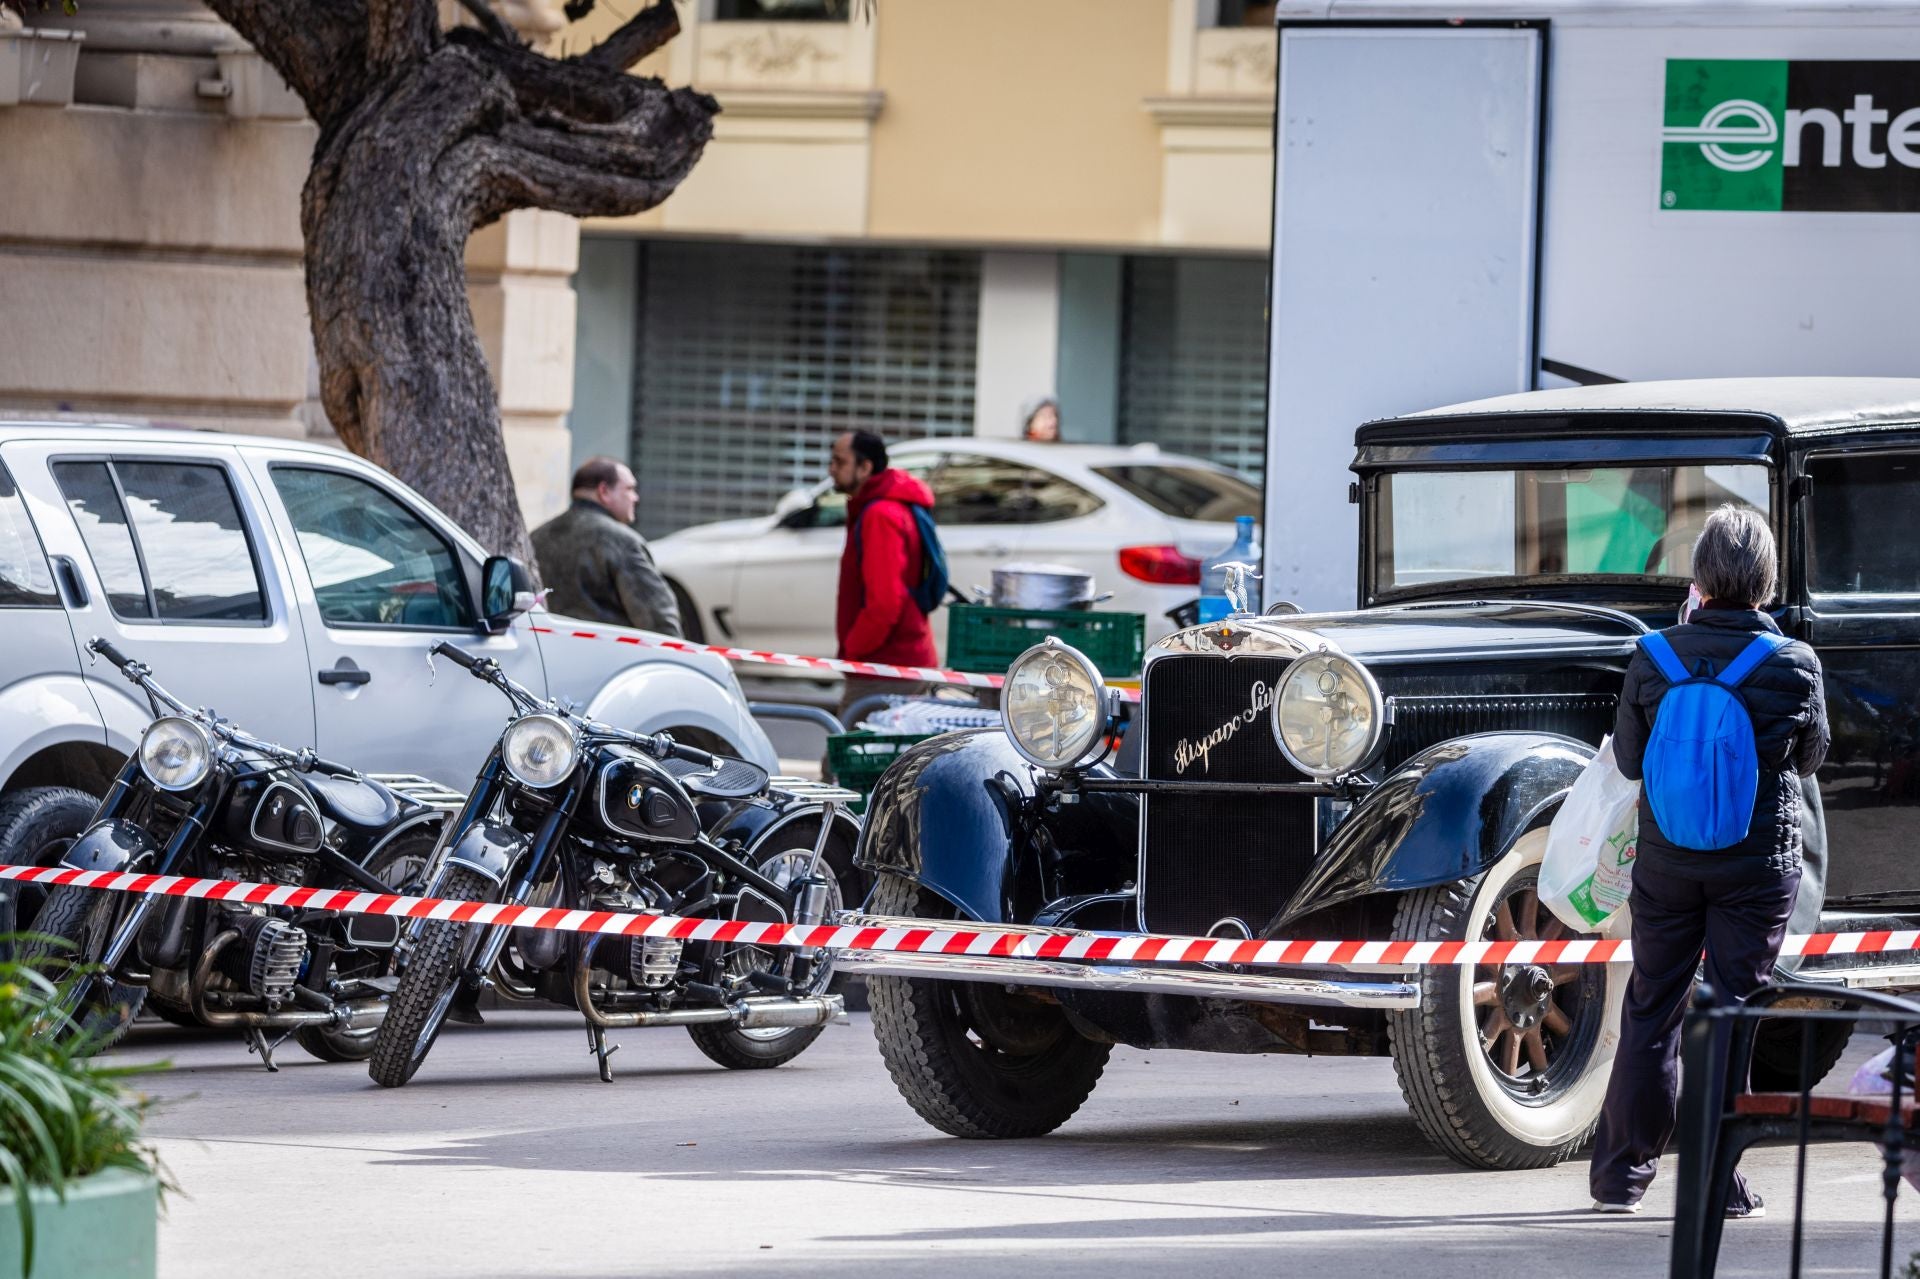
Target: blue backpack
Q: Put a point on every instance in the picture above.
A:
(931, 589)
(1701, 770)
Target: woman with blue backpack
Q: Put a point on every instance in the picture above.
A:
(1719, 719)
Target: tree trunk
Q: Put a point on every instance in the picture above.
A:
(403, 376)
(425, 137)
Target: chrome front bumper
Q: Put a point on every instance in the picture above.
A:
(1385, 992)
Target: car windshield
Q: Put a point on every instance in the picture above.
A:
(1186, 492)
(1436, 527)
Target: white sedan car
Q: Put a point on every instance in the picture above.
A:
(1137, 519)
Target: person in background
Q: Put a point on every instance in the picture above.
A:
(876, 619)
(596, 566)
(1040, 420)
(1735, 900)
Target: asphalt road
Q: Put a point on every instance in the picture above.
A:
(508, 1157)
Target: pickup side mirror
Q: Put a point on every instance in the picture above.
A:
(506, 591)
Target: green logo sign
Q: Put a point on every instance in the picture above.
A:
(1799, 136)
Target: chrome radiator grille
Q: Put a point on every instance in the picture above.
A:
(1420, 722)
(1213, 857)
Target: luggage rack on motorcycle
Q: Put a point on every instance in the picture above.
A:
(422, 790)
(802, 788)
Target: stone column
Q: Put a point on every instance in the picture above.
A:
(519, 282)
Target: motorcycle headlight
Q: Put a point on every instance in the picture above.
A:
(1055, 705)
(539, 750)
(175, 753)
(1327, 715)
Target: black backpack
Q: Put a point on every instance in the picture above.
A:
(931, 589)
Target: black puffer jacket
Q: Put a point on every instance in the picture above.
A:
(1789, 709)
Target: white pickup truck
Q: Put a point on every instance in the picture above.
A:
(291, 587)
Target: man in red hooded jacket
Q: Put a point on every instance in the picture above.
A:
(877, 620)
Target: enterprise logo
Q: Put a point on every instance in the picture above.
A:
(1794, 136)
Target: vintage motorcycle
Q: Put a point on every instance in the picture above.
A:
(580, 815)
(201, 798)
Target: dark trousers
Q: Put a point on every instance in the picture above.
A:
(1741, 926)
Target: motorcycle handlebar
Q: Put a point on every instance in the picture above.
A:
(670, 749)
(458, 656)
(330, 769)
(106, 649)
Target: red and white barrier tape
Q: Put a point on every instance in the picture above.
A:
(1132, 948)
(868, 670)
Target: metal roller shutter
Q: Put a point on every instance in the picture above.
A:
(1193, 358)
(752, 358)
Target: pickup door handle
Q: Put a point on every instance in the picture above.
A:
(345, 672)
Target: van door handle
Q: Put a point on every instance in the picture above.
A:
(345, 672)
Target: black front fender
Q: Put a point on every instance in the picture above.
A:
(1446, 815)
(113, 845)
(960, 815)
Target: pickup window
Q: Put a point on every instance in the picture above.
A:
(25, 580)
(167, 540)
(373, 562)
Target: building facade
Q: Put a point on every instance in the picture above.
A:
(915, 217)
(919, 218)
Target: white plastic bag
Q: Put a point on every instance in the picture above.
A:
(1588, 870)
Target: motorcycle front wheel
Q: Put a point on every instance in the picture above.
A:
(85, 919)
(428, 985)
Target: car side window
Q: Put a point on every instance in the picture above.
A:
(373, 562)
(1859, 557)
(991, 490)
(167, 540)
(25, 579)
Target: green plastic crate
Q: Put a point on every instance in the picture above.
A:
(986, 640)
(858, 759)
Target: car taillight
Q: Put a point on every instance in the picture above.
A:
(1161, 565)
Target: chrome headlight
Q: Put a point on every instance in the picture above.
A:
(175, 753)
(1055, 705)
(1327, 715)
(539, 750)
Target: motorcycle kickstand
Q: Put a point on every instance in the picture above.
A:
(257, 1042)
(597, 1045)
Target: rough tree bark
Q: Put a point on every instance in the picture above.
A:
(426, 136)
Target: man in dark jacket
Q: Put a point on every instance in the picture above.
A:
(597, 567)
(876, 619)
(1734, 901)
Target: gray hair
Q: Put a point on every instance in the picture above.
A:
(1734, 560)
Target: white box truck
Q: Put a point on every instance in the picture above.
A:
(1474, 198)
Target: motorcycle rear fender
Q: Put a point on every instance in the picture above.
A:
(1444, 816)
(113, 846)
(958, 815)
(489, 850)
(754, 826)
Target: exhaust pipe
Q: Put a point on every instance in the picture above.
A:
(752, 1012)
(353, 1015)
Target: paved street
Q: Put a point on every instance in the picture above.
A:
(507, 1157)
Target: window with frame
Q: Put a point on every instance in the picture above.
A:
(25, 579)
(167, 539)
(1859, 556)
(989, 490)
(372, 561)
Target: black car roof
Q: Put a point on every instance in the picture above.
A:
(1780, 406)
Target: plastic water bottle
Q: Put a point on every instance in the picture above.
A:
(1214, 601)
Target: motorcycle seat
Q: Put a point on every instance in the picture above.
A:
(354, 801)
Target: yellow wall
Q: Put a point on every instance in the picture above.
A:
(1022, 121)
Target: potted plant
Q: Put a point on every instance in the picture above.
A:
(79, 1192)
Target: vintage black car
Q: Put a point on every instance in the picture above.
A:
(1389, 773)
